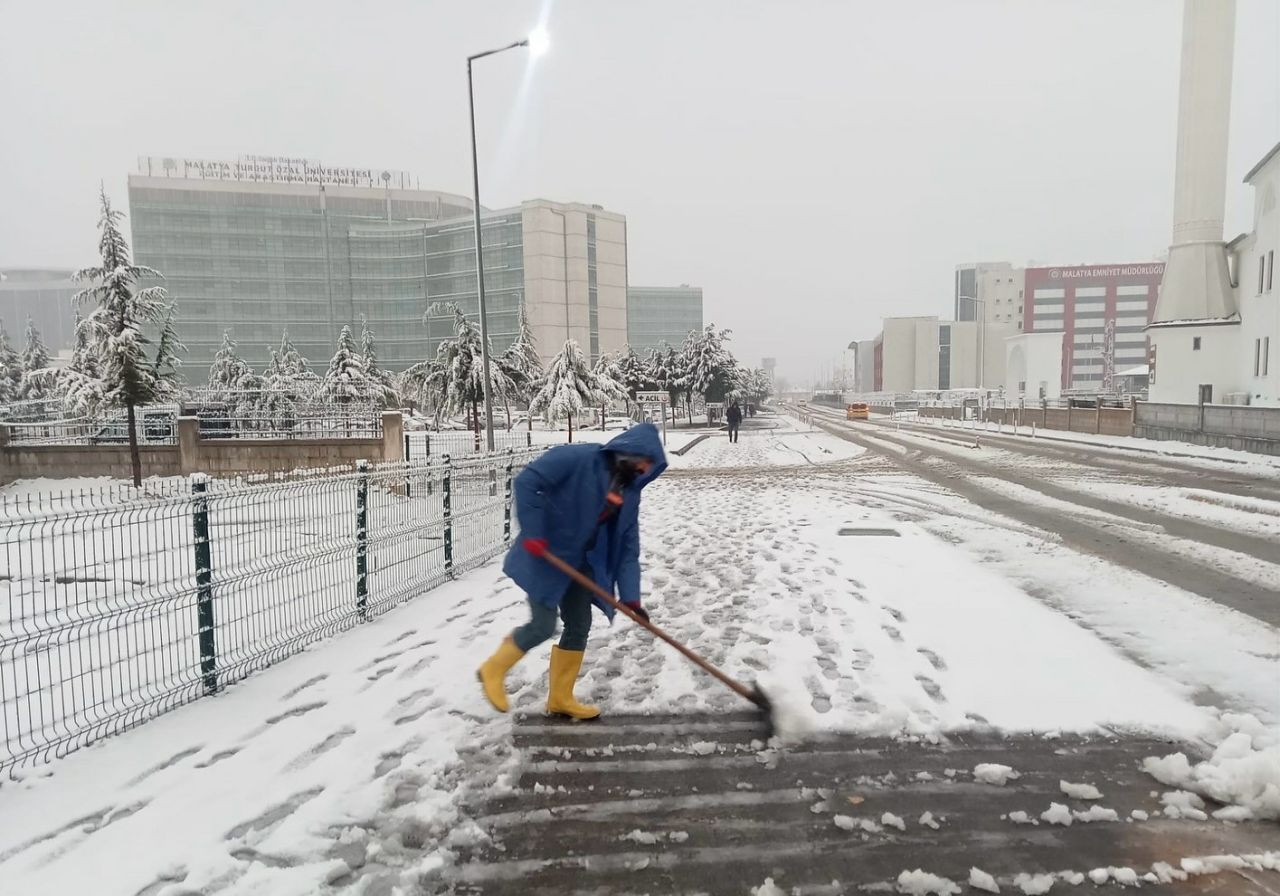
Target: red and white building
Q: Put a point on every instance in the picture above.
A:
(1102, 312)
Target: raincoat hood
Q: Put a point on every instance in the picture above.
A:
(642, 440)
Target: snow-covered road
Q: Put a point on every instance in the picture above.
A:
(346, 769)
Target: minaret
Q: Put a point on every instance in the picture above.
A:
(1196, 283)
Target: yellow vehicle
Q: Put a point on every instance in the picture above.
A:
(857, 411)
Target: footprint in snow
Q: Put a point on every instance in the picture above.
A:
(933, 658)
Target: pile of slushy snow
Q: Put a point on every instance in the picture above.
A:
(993, 773)
(922, 883)
(1243, 772)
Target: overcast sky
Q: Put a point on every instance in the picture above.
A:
(814, 166)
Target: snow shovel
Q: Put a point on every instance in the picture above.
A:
(754, 694)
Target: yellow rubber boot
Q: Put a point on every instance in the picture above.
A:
(564, 673)
(493, 673)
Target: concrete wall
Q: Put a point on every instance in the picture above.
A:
(611, 280)
(71, 461)
(1253, 429)
(898, 352)
(865, 374)
(1221, 426)
(926, 353)
(218, 457)
(1181, 368)
(1104, 421)
(964, 354)
(555, 248)
(1033, 360)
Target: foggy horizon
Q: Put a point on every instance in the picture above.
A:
(813, 168)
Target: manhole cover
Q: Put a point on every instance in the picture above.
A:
(858, 530)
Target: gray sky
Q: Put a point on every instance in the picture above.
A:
(814, 166)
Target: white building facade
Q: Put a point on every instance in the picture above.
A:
(990, 294)
(1232, 359)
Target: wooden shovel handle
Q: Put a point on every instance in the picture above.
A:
(732, 683)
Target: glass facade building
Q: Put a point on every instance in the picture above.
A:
(662, 314)
(45, 296)
(258, 256)
(255, 258)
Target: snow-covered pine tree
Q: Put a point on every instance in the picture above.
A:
(522, 365)
(453, 382)
(708, 365)
(34, 384)
(227, 370)
(167, 367)
(634, 373)
(79, 384)
(279, 403)
(10, 369)
(609, 382)
(664, 370)
(345, 381)
(383, 387)
(295, 367)
(247, 400)
(117, 323)
(568, 388)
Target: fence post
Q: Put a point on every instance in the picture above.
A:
(506, 505)
(446, 492)
(204, 583)
(362, 539)
(1097, 422)
(408, 484)
(528, 438)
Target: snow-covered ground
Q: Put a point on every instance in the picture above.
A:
(764, 441)
(1256, 463)
(343, 769)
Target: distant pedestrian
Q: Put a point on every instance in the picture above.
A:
(734, 418)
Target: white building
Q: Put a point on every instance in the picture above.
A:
(1231, 359)
(1034, 367)
(924, 354)
(990, 293)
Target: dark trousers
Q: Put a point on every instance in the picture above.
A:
(733, 432)
(575, 611)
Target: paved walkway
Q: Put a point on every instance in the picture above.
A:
(698, 804)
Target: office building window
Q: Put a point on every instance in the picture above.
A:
(1257, 357)
(1266, 355)
(1195, 343)
(1262, 272)
(1271, 268)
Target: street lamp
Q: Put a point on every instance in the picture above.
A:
(537, 42)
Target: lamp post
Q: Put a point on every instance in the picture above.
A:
(537, 44)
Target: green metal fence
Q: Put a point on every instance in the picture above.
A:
(122, 603)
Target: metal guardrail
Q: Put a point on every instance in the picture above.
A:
(123, 604)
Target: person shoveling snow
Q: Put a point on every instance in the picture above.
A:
(580, 503)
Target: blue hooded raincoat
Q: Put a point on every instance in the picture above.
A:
(560, 497)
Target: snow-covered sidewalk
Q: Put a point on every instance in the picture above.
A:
(763, 441)
(344, 769)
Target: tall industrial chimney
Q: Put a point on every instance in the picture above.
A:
(1196, 283)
